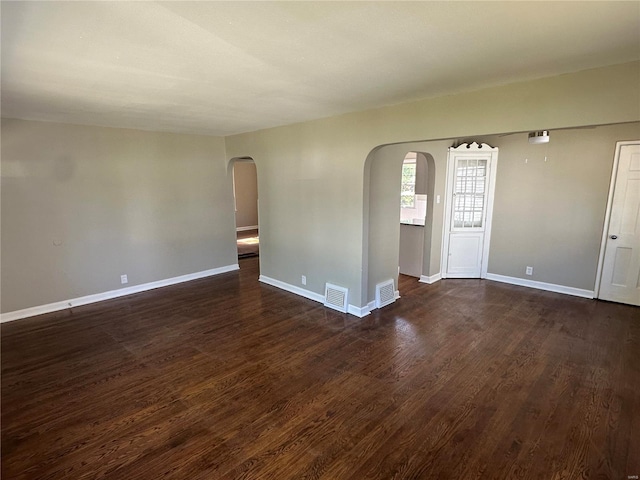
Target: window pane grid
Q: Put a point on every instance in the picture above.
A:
(469, 191)
(408, 186)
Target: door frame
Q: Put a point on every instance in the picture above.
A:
(448, 203)
(607, 216)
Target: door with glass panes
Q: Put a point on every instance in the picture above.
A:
(470, 185)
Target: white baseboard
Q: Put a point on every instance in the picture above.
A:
(98, 297)
(244, 229)
(368, 308)
(431, 279)
(550, 287)
(362, 311)
(316, 297)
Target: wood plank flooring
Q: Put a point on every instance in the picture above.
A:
(248, 243)
(227, 378)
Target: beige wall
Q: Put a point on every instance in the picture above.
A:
(83, 205)
(550, 215)
(315, 206)
(246, 193)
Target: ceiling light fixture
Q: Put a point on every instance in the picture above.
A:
(539, 137)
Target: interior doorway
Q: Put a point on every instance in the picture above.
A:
(245, 199)
(382, 217)
(468, 212)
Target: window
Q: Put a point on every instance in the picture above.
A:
(469, 194)
(413, 200)
(408, 186)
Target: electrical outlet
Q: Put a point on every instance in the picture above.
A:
(123, 279)
(529, 271)
(304, 280)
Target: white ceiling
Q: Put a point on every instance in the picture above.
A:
(229, 67)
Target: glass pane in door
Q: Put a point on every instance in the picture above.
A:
(469, 193)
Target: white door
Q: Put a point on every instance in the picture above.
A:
(620, 278)
(470, 189)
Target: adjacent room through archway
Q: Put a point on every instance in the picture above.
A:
(245, 200)
(413, 210)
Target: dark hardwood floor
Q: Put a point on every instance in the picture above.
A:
(248, 243)
(227, 378)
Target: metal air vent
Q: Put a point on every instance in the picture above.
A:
(336, 297)
(385, 293)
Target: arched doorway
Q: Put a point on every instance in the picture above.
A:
(382, 218)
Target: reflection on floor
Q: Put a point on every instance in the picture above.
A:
(248, 244)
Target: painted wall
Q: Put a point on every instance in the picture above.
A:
(310, 204)
(246, 193)
(83, 205)
(317, 218)
(550, 214)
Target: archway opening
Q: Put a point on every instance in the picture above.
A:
(383, 219)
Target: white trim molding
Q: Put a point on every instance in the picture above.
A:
(361, 311)
(121, 292)
(371, 306)
(244, 229)
(549, 287)
(316, 297)
(431, 279)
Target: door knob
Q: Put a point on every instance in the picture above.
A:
(613, 237)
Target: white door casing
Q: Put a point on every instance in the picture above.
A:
(618, 278)
(471, 174)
